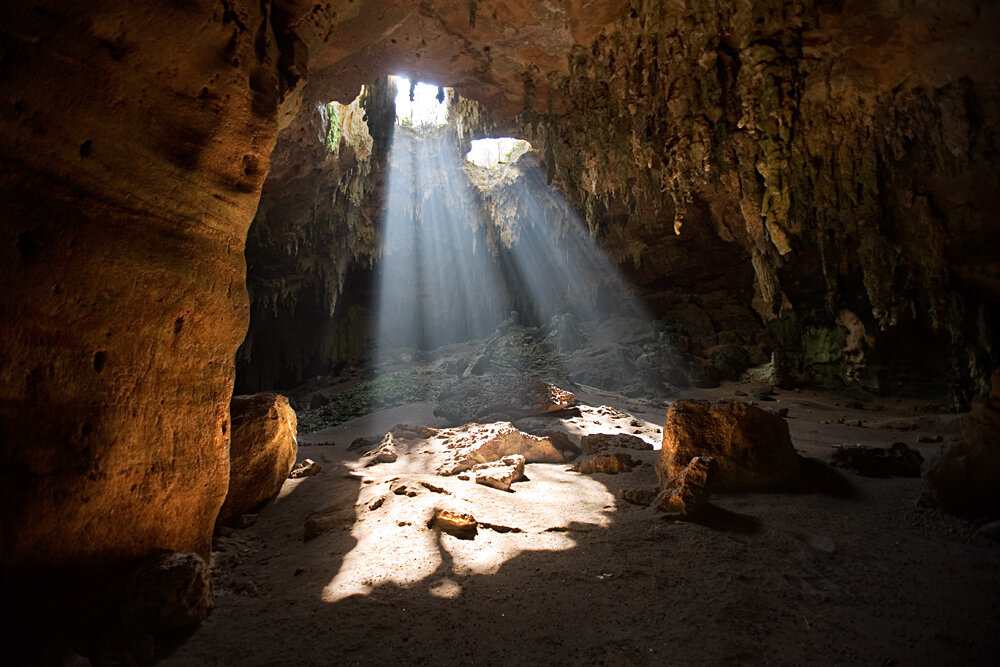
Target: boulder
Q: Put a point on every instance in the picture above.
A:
(490, 442)
(751, 447)
(964, 478)
(689, 491)
(170, 591)
(610, 464)
(596, 442)
(472, 398)
(500, 474)
(261, 452)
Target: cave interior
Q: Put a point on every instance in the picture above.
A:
(725, 273)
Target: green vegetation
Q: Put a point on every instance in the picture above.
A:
(333, 133)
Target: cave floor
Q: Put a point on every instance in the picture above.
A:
(849, 571)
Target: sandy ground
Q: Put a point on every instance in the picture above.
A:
(848, 572)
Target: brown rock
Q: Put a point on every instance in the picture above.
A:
(500, 474)
(644, 497)
(262, 451)
(964, 478)
(170, 591)
(490, 442)
(595, 442)
(751, 447)
(610, 464)
(462, 526)
(690, 490)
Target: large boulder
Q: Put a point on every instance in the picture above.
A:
(262, 451)
(752, 448)
(964, 478)
(472, 398)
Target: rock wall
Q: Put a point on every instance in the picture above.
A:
(135, 144)
(844, 145)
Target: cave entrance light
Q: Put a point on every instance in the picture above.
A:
(493, 152)
(419, 104)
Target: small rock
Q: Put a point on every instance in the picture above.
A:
(462, 526)
(644, 497)
(610, 464)
(689, 491)
(762, 393)
(822, 543)
(930, 438)
(739, 392)
(375, 504)
(385, 453)
(306, 468)
(500, 474)
(597, 442)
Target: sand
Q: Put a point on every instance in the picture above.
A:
(848, 572)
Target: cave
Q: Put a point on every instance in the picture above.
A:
(611, 332)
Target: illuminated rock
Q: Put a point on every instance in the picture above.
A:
(596, 442)
(262, 451)
(385, 452)
(462, 526)
(751, 447)
(490, 442)
(690, 490)
(500, 474)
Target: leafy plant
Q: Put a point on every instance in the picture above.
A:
(333, 133)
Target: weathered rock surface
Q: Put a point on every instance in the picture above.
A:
(474, 397)
(491, 442)
(168, 592)
(499, 474)
(964, 478)
(689, 491)
(610, 464)
(262, 451)
(897, 460)
(752, 448)
(596, 442)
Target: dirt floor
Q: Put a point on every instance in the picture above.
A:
(847, 572)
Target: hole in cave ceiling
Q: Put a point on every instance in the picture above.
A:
(420, 104)
(491, 153)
